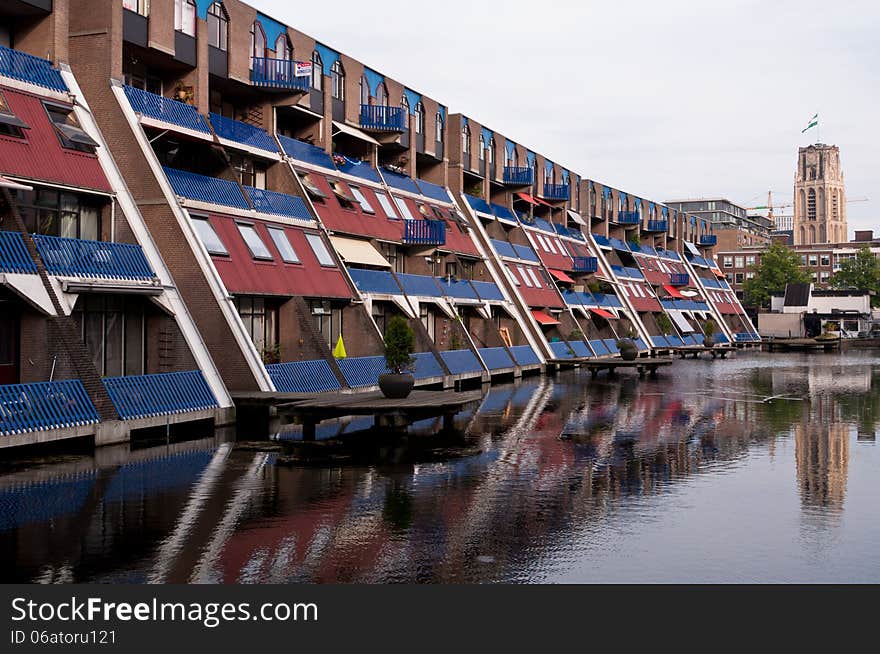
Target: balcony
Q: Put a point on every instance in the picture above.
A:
(657, 226)
(679, 279)
(206, 189)
(628, 218)
(149, 396)
(243, 133)
(278, 74)
(14, 256)
(27, 68)
(519, 175)
(166, 110)
(72, 257)
(46, 405)
(555, 192)
(379, 118)
(708, 240)
(278, 204)
(424, 232)
(585, 264)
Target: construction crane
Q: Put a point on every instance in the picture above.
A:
(770, 206)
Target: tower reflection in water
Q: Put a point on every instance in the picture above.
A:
(538, 465)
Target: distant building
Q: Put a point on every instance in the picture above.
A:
(819, 196)
(803, 310)
(730, 222)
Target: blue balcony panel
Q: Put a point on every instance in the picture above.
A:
(599, 347)
(504, 249)
(561, 350)
(488, 291)
(496, 358)
(148, 396)
(402, 182)
(206, 189)
(306, 152)
(525, 355)
(78, 258)
(27, 68)
(709, 240)
(461, 362)
(602, 241)
(543, 225)
(433, 191)
(657, 226)
(167, 110)
(519, 175)
(424, 232)
(14, 255)
(27, 408)
(278, 74)
(374, 281)
(460, 289)
(359, 169)
(629, 218)
(303, 377)
(525, 253)
(679, 279)
(555, 192)
(379, 118)
(479, 204)
(585, 264)
(278, 204)
(419, 285)
(502, 213)
(234, 130)
(581, 349)
(365, 371)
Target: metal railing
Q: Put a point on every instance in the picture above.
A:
(380, 118)
(206, 189)
(628, 217)
(278, 204)
(679, 279)
(28, 68)
(424, 232)
(234, 130)
(45, 405)
(14, 256)
(303, 376)
(165, 109)
(148, 396)
(555, 192)
(657, 226)
(585, 264)
(709, 240)
(278, 74)
(78, 258)
(519, 175)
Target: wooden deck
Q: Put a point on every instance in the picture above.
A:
(718, 351)
(642, 366)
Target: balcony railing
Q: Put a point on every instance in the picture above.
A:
(72, 257)
(657, 226)
(27, 68)
(148, 396)
(379, 118)
(278, 74)
(14, 257)
(709, 240)
(45, 405)
(585, 264)
(278, 204)
(424, 232)
(679, 279)
(165, 109)
(233, 130)
(555, 192)
(519, 175)
(628, 217)
(206, 189)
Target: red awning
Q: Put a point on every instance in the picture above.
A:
(673, 291)
(533, 200)
(543, 318)
(561, 276)
(718, 273)
(603, 313)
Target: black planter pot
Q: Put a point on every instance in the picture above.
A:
(629, 353)
(709, 341)
(396, 386)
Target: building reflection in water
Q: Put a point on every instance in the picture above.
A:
(537, 465)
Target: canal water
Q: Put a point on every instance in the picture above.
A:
(762, 468)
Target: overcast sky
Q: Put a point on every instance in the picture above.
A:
(662, 99)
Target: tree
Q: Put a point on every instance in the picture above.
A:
(399, 345)
(779, 266)
(862, 272)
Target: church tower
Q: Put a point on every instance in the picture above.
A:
(819, 196)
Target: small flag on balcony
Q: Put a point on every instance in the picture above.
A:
(814, 121)
(339, 350)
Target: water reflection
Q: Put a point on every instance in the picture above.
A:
(551, 479)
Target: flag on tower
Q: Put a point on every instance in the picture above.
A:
(813, 122)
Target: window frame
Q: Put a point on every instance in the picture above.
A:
(179, 16)
(337, 81)
(251, 228)
(387, 205)
(276, 233)
(317, 71)
(204, 220)
(321, 252)
(366, 207)
(218, 26)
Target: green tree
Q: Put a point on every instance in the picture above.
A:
(778, 267)
(862, 272)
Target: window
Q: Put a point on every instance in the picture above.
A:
(738, 262)
(141, 7)
(327, 319)
(53, 213)
(387, 207)
(70, 133)
(258, 42)
(466, 140)
(824, 275)
(359, 196)
(390, 252)
(482, 148)
(492, 150)
(420, 118)
(282, 244)
(209, 237)
(346, 200)
(535, 280)
(320, 250)
(543, 243)
(260, 318)
(438, 127)
(811, 204)
(750, 260)
(426, 315)
(404, 104)
(218, 27)
(282, 48)
(814, 260)
(750, 275)
(114, 331)
(525, 276)
(552, 247)
(382, 95)
(467, 269)
(379, 316)
(249, 173)
(825, 260)
(185, 16)
(253, 241)
(317, 71)
(513, 278)
(403, 207)
(337, 81)
(803, 259)
(10, 124)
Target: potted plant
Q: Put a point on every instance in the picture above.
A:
(709, 333)
(628, 349)
(399, 341)
(664, 324)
